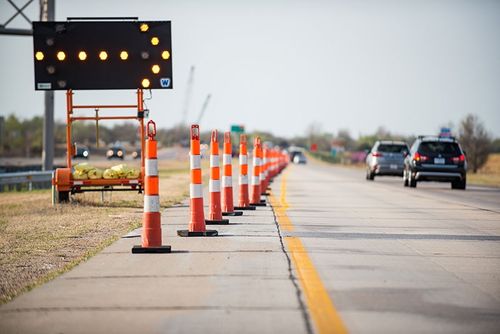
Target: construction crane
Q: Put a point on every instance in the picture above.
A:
(187, 97)
(203, 108)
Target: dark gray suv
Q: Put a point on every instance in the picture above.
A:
(386, 158)
(436, 159)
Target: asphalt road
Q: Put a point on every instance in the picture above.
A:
(336, 253)
(395, 259)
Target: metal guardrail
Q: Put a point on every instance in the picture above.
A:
(32, 180)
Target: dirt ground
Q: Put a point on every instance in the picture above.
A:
(39, 241)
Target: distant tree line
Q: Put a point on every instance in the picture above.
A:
(472, 135)
(23, 137)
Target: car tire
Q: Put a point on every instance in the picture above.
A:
(459, 184)
(412, 182)
(405, 179)
(369, 175)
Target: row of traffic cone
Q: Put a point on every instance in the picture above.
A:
(267, 163)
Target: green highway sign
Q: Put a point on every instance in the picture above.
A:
(238, 128)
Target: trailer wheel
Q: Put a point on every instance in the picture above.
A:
(62, 196)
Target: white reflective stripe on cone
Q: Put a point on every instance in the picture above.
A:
(226, 159)
(151, 203)
(255, 180)
(195, 190)
(195, 161)
(151, 167)
(243, 179)
(227, 181)
(214, 186)
(262, 177)
(257, 162)
(243, 159)
(214, 161)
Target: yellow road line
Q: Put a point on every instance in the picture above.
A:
(281, 206)
(323, 313)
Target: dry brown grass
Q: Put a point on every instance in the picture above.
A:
(38, 241)
(489, 174)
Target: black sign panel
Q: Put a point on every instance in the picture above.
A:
(102, 55)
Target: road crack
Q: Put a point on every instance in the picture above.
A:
(293, 279)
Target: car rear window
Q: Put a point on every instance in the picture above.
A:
(392, 148)
(439, 148)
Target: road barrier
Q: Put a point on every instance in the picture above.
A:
(227, 179)
(151, 223)
(32, 180)
(243, 199)
(276, 161)
(197, 226)
(214, 203)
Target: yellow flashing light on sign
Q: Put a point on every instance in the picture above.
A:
(39, 56)
(82, 55)
(61, 55)
(145, 83)
(103, 55)
(165, 55)
(124, 55)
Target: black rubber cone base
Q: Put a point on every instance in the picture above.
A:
(258, 204)
(244, 207)
(217, 222)
(207, 233)
(151, 250)
(234, 213)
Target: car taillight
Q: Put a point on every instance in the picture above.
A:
(376, 154)
(460, 158)
(419, 157)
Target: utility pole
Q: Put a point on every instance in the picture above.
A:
(47, 13)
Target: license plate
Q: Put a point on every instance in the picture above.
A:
(393, 166)
(439, 161)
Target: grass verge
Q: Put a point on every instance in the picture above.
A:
(38, 242)
(489, 174)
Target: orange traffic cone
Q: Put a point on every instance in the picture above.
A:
(151, 223)
(227, 179)
(215, 211)
(273, 164)
(197, 226)
(265, 171)
(243, 200)
(257, 174)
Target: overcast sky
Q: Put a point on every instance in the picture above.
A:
(409, 66)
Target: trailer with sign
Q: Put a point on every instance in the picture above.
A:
(90, 54)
